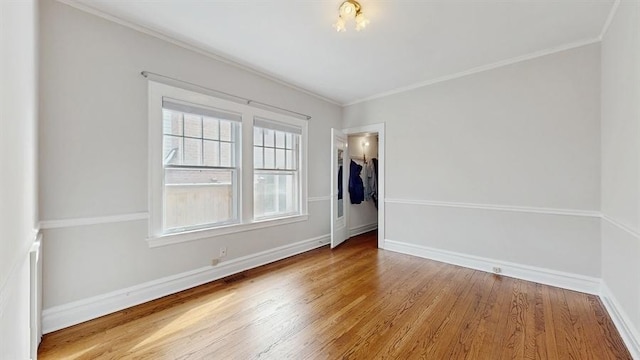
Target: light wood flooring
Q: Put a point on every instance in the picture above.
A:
(353, 302)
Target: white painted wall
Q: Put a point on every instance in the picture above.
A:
(93, 154)
(363, 216)
(523, 135)
(18, 112)
(621, 163)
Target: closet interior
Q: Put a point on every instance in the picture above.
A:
(363, 183)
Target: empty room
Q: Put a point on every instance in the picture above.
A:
(326, 179)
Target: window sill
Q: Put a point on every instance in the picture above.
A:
(176, 238)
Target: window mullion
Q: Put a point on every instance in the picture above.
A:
(201, 140)
(182, 140)
(246, 167)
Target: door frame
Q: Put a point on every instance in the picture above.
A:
(379, 129)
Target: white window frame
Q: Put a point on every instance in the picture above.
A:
(246, 220)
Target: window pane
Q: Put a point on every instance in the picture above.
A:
(192, 151)
(279, 139)
(290, 164)
(172, 150)
(269, 158)
(171, 122)
(194, 197)
(269, 137)
(225, 130)
(289, 140)
(226, 154)
(280, 159)
(210, 127)
(258, 161)
(257, 136)
(192, 125)
(275, 194)
(211, 153)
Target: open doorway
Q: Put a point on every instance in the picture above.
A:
(366, 150)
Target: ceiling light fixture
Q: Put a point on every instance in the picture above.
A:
(350, 9)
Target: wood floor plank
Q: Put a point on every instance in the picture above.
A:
(352, 302)
(608, 333)
(428, 301)
(429, 334)
(503, 308)
(465, 325)
(387, 308)
(486, 324)
(329, 337)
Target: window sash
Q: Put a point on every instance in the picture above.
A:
(293, 198)
(289, 153)
(210, 151)
(234, 216)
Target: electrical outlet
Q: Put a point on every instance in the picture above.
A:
(497, 270)
(223, 251)
(214, 262)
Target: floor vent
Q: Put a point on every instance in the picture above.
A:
(234, 278)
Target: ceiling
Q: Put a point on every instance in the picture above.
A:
(406, 44)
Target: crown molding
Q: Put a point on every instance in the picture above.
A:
(193, 46)
(607, 23)
(480, 69)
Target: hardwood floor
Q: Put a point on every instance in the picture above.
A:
(355, 302)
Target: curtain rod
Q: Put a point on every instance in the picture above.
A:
(239, 99)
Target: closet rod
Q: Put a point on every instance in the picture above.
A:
(169, 80)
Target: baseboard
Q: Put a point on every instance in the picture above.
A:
(586, 284)
(625, 327)
(361, 229)
(62, 316)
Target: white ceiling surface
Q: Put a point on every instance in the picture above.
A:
(406, 43)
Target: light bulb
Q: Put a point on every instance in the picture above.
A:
(340, 25)
(348, 10)
(361, 21)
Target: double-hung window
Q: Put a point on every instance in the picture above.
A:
(200, 161)
(218, 166)
(276, 158)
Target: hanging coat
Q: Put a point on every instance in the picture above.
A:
(356, 187)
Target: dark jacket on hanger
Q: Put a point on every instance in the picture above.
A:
(356, 187)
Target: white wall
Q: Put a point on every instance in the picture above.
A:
(93, 154)
(621, 164)
(18, 111)
(363, 216)
(524, 137)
